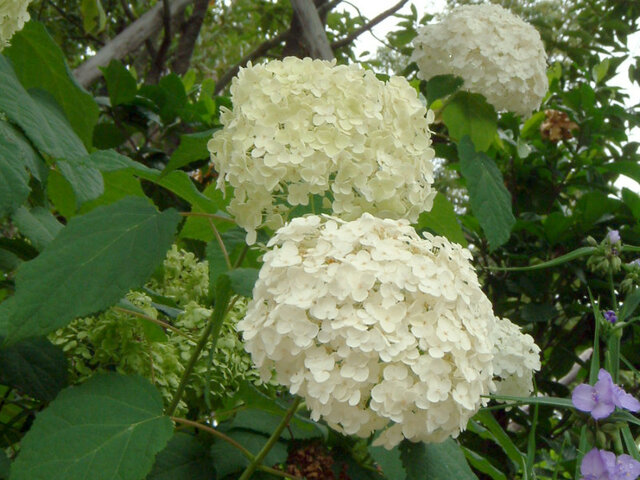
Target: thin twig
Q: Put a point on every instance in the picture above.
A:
(368, 26)
(221, 243)
(215, 433)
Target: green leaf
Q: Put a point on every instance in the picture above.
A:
(567, 257)
(389, 462)
(199, 228)
(500, 437)
(243, 280)
(265, 422)
(85, 180)
(632, 200)
(93, 17)
(441, 86)
(630, 305)
(483, 465)
(227, 459)
(184, 458)
(623, 167)
(38, 225)
(117, 185)
(594, 207)
(490, 200)
(442, 219)
(469, 114)
(41, 121)
(600, 70)
(5, 465)
(14, 178)
(217, 263)
(192, 147)
(61, 194)
(121, 85)
(90, 265)
(532, 126)
(435, 461)
(40, 63)
(109, 428)
(35, 367)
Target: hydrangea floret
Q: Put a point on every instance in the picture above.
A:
(377, 328)
(495, 52)
(601, 399)
(13, 16)
(303, 127)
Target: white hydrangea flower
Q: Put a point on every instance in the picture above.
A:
(13, 16)
(303, 127)
(496, 53)
(516, 357)
(377, 328)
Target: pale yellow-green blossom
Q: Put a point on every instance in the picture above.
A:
(303, 127)
(377, 328)
(496, 53)
(13, 16)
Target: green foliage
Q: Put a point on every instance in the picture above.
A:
(490, 200)
(14, 178)
(435, 461)
(442, 220)
(184, 458)
(112, 425)
(469, 114)
(121, 85)
(102, 254)
(39, 63)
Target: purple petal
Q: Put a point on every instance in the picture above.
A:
(584, 397)
(604, 376)
(626, 400)
(593, 466)
(626, 468)
(602, 410)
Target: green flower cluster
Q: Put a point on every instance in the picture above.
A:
(116, 340)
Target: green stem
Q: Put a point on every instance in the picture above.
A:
(215, 433)
(614, 301)
(272, 440)
(220, 242)
(166, 325)
(223, 296)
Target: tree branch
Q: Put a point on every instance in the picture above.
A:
(368, 26)
(158, 62)
(262, 49)
(190, 31)
(312, 29)
(126, 41)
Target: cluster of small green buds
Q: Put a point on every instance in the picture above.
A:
(606, 256)
(632, 277)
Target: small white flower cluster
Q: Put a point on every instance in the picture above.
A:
(516, 357)
(13, 16)
(303, 127)
(496, 53)
(377, 328)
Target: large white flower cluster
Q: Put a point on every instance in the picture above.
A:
(377, 328)
(496, 53)
(516, 357)
(13, 16)
(303, 127)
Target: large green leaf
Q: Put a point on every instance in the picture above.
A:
(5, 465)
(227, 459)
(470, 114)
(38, 225)
(121, 85)
(40, 63)
(93, 17)
(389, 462)
(490, 199)
(35, 367)
(443, 220)
(192, 147)
(43, 124)
(184, 458)
(199, 228)
(435, 461)
(109, 428)
(14, 178)
(243, 280)
(89, 266)
(85, 180)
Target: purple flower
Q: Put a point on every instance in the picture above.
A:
(635, 262)
(613, 236)
(601, 399)
(610, 316)
(603, 465)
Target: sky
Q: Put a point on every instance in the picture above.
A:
(367, 42)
